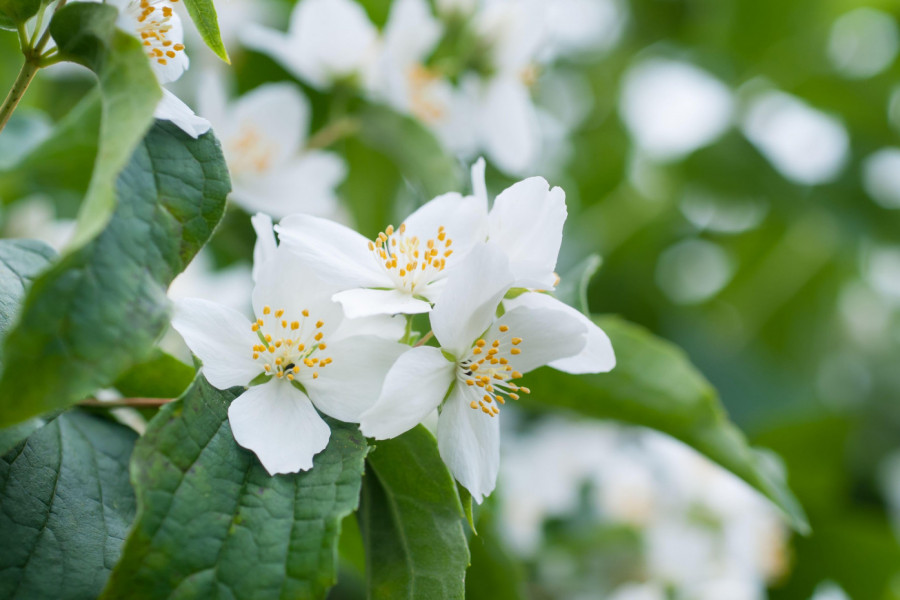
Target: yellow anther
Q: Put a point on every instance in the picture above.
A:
(513, 396)
(402, 273)
(305, 312)
(178, 47)
(495, 343)
(322, 346)
(279, 374)
(301, 348)
(469, 382)
(161, 61)
(260, 322)
(402, 228)
(255, 327)
(272, 349)
(267, 368)
(279, 360)
(515, 351)
(315, 374)
(473, 404)
(516, 341)
(266, 310)
(170, 54)
(295, 324)
(284, 324)
(278, 343)
(296, 369)
(371, 247)
(504, 328)
(255, 355)
(318, 336)
(290, 376)
(389, 230)
(319, 323)
(487, 398)
(308, 362)
(480, 343)
(278, 313)
(524, 390)
(503, 361)
(476, 351)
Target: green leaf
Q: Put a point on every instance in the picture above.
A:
(414, 149)
(15, 12)
(99, 310)
(203, 13)
(160, 376)
(465, 498)
(213, 524)
(67, 506)
(494, 574)
(412, 522)
(655, 385)
(573, 286)
(86, 33)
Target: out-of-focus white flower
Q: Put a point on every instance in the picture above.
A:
(299, 335)
(171, 108)
(693, 271)
(805, 145)
(639, 591)
(475, 369)
(35, 217)
(263, 136)
(577, 26)
(672, 108)
(881, 177)
(327, 41)
(403, 270)
(828, 590)
(863, 42)
(159, 28)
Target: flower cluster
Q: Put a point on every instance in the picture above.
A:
(467, 71)
(332, 327)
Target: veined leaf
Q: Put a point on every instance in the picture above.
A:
(412, 522)
(67, 505)
(213, 524)
(655, 385)
(86, 33)
(99, 310)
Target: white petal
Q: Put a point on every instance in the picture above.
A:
(414, 387)
(388, 327)
(469, 300)
(220, 337)
(469, 443)
(510, 125)
(279, 424)
(281, 47)
(304, 184)
(265, 247)
(285, 282)
(337, 253)
(526, 221)
(597, 355)
(278, 113)
(464, 218)
(411, 32)
(350, 385)
(174, 67)
(171, 108)
(362, 302)
(479, 187)
(547, 335)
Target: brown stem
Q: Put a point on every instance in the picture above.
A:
(134, 402)
(424, 339)
(333, 132)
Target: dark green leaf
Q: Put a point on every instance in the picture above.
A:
(86, 33)
(203, 13)
(67, 505)
(412, 522)
(494, 574)
(14, 12)
(414, 149)
(160, 376)
(213, 524)
(99, 310)
(655, 385)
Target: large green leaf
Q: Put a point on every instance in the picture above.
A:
(160, 376)
(86, 33)
(20, 263)
(655, 385)
(412, 522)
(213, 524)
(203, 13)
(67, 505)
(99, 310)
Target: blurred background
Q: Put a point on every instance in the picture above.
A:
(736, 166)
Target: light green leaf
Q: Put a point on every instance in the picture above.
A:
(655, 385)
(203, 13)
(213, 524)
(414, 149)
(67, 505)
(86, 33)
(494, 574)
(99, 310)
(412, 522)
(160, 376)
(14, 12)
(573, 286)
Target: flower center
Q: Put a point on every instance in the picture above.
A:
(153, 26)
(287, 347)
(423, 104)
(407, 260)
(488, 368)
(249, 151)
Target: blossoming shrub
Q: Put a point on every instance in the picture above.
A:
(370, 373)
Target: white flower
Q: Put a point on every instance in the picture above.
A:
(159, 28)
(476, 368)
(327, 41)
(171, 108)
(403, 270)
(295, 339)
(263, 136)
